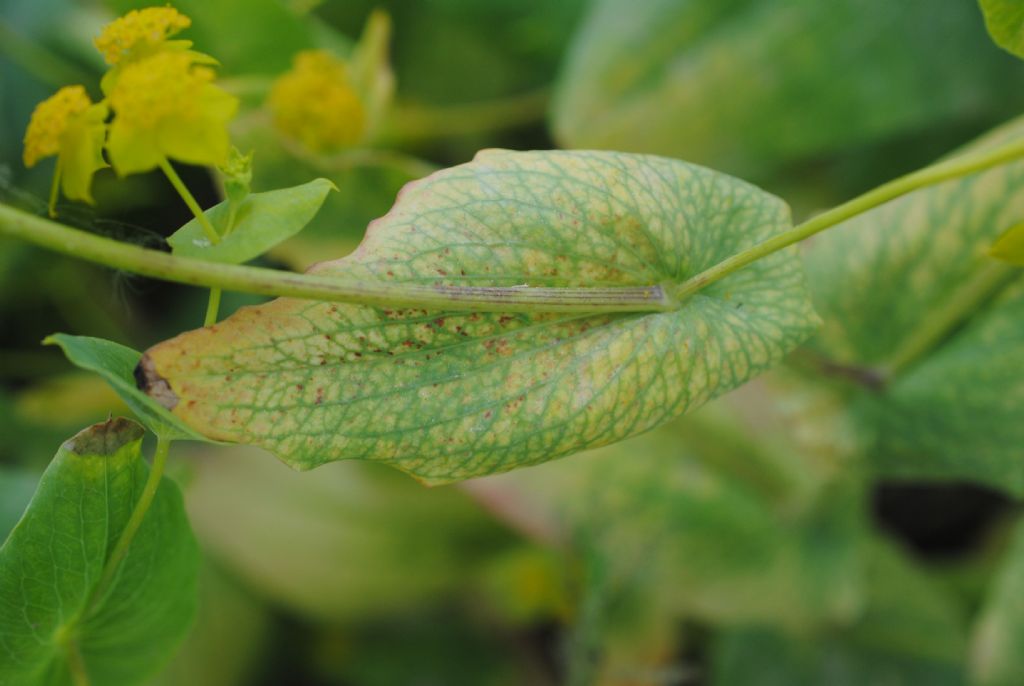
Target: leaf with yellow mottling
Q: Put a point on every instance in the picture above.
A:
(450, 395)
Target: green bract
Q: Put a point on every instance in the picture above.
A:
(55, 618)
(1005, 21)
(448, 395)
(261, 221)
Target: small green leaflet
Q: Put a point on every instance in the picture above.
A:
(1010, 246)
(1005, 22)
(51, 565)
(451, 395)
(262, 221)
(117, 364)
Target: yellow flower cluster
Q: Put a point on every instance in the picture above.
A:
(139, 31)
(162, 97)
(68, 125)
(316, 104)
(166, 106)
(50, 121)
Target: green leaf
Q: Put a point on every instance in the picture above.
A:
(117, 365)
(948, 407)
(1010, 246)
(446, 395)
(957, 413)
(675, 78)
(365, 193)
(51, 615)
(16, 488)
(262, 221)
(996, 658)
(1005, 22)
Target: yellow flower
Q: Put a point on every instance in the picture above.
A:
(70, 126)
(316, 104)
(140, 32)
(166, 106)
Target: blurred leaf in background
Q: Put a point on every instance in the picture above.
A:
(747, 86)
(735, 536)
(923, 331)
(342, 543)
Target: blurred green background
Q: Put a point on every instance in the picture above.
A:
(786, 534)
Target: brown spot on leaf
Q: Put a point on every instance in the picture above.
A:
(154, 385)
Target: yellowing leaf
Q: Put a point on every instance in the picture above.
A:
(450, 395)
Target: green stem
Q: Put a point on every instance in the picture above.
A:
(979, 288)
(160, 265)
(197, 211)
(653, 298)
(76, 664)
(156, 472)
(212, 307)
(213, 304)
(68, 634)
(937, 173)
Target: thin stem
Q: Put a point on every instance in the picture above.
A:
(197, 211)
(213, 304)
(654, 298)
(937, 173)
(76, 664)
(160, 265)
(212, 307)
(979, 288)
(156, 472)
